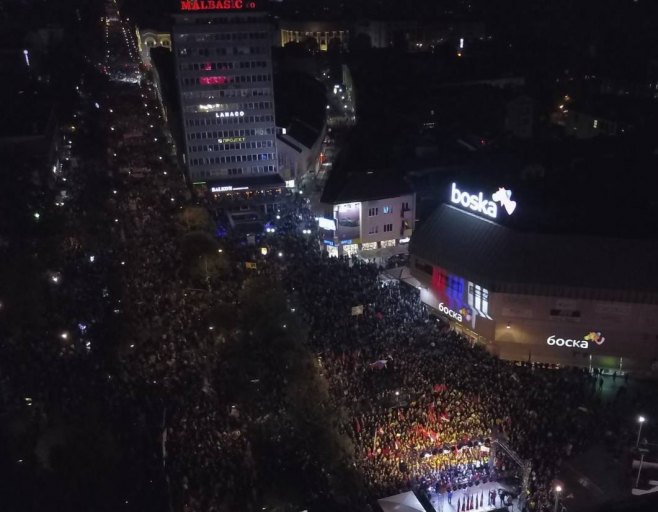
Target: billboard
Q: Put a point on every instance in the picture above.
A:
(458, 298)
(348, 220)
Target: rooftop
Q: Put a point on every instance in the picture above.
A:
(366, 186)
(490, 253)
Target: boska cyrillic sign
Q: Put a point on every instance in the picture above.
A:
(450, 312)
(591, 337)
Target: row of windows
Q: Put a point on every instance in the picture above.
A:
(220, 108)
(230, 133)
(222, 66)
(222, 52)
(230, 20)
(257, 169)
(453, 285)
(243, 92)
(214, 121)
(257, 144)
(215, 82)
(221, 36)
(375, 229)
(232, 159)
(372, 212)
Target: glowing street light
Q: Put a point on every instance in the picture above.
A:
(558, 490)
(640, 420)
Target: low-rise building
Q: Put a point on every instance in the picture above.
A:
(325, 33)
(298, 148)
(371, 212)
(150, 38)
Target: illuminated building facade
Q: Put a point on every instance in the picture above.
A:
(373, 214)
(224, 74)
(586, 301)
(325, 33)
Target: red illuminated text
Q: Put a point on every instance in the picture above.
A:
(213, 5)
(213, 80)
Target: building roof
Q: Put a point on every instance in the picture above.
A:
(300, 104)
(367, 186)
(482, 250)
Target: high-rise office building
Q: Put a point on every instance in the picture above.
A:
(223, 56)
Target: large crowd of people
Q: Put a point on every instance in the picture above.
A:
(421, 405)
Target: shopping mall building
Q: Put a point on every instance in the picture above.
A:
(572, 300)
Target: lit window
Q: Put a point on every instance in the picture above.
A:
(213, 80)
(387, 209)
(596, 123)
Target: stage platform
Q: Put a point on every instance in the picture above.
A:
(440, 501)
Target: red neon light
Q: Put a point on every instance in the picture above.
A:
(214, 5)
(207, 66)
(213, 80)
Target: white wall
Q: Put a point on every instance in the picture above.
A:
(395, 218)
(630, 330)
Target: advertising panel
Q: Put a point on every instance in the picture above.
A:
(458, 298)
(348, 220)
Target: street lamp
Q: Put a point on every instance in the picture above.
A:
(558, 490)
(643, 451)
(640, 420)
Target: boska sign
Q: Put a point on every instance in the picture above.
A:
(214, 5)
(481, 204)
(561, 342)
(451, 313)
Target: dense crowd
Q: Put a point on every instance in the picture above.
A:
(420, 404)
(425, 402)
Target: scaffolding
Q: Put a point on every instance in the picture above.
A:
(524, 465)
